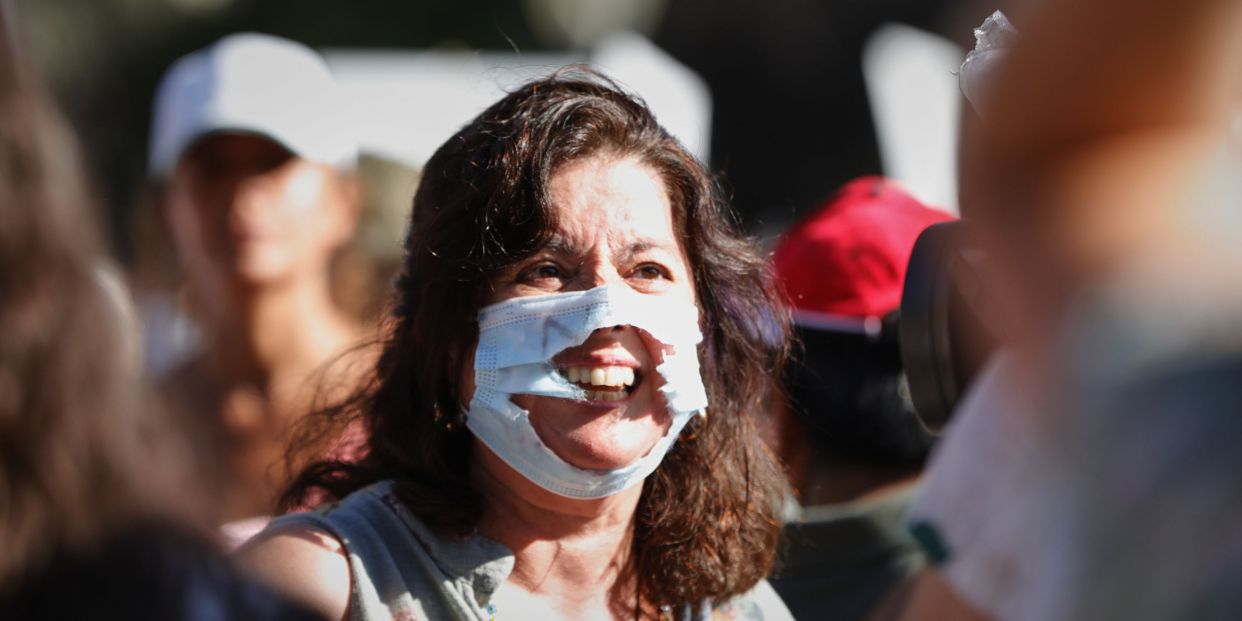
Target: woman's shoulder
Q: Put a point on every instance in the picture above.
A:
(303, 555)
(304, 561)
(761, 603)
(371, 554)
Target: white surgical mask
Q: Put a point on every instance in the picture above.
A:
(518, 339)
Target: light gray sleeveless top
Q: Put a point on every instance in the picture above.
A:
(401, 570)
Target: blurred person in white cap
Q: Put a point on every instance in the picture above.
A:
(254, 162)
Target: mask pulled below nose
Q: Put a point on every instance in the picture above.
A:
(518, 339)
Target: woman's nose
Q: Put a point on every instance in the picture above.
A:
(601, 273)
(593, 279)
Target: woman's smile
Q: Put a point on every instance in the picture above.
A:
(608, 376)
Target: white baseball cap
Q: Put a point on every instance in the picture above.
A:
(252, 83)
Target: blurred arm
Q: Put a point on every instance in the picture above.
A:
(926, 597)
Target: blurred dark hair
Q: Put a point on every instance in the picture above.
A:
(706, 525)
(850, 392)
(88, 528)
(71, 414)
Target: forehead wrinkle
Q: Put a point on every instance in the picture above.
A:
(563, 246)
(603, 216)
(643, 245)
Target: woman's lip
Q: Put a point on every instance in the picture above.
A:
(603, 405)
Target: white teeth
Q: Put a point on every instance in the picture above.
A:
(613, 376)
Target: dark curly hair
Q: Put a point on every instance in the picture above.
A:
(707, 521)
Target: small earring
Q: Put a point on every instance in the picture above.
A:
(449, 422)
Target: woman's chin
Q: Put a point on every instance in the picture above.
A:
(597, 460)
(596, 454)
(592, 438)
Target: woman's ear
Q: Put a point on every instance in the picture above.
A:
(460, 374)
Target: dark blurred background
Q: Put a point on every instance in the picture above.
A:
(790, 123)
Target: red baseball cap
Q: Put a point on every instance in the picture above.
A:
(845, 263)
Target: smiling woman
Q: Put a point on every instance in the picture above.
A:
(574, 299)
(613, 229)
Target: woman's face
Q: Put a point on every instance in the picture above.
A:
(615, 228)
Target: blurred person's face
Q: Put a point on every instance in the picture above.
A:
(614, 227)
(245, 213)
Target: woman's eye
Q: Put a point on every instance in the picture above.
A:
(544, 271)
(651, 271)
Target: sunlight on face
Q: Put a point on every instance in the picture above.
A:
(614, 228)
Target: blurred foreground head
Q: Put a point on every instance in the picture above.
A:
(90, 478)
(73, 430)
(842, 269)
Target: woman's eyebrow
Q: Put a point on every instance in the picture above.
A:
(566, 247)
(560, 245)
(644, 245)
(563, 250)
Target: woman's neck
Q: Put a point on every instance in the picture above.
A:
(572, 557)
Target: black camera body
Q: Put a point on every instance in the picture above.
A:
(944, 342)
